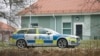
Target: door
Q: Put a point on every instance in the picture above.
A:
(79, 30)
(31, 36)
(46, 37)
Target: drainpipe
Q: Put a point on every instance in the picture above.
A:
(30, 21)
(55, 21)
(30, 16)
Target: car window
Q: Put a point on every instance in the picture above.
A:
(42, 31)
(31, 31)
(21, 31)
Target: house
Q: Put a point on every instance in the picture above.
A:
(5, 31)
(76, 17)
(5, 28)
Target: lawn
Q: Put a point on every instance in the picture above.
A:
(86, 48)
(89, 44)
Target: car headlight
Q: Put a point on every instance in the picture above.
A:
(71, 39)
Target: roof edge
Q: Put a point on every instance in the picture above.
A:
(92, 13)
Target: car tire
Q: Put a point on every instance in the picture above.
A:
(21, 43)
(62, 43)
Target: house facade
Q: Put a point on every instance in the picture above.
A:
(63, 17)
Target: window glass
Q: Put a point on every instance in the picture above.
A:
(34, 24)
(66, 25)
(42, 31)
(66, 31)
(66, 28)
(21, 31)
(31, 31)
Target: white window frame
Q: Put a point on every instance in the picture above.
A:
(66, 28)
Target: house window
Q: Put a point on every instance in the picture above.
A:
(66, 28)
(34, 24)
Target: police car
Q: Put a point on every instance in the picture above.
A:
(34, 37)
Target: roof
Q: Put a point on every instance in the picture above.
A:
(62, 6)
(5, 27)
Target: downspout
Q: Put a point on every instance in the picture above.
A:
(55, 21)
(30, 21)
(30, 16)
(31, 2)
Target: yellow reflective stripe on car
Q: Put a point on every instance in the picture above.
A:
(54, 41)
(71, 39)
(37, 31)
(12, 40)
(39, 41)
(15, 32)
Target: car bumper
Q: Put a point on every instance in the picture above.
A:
(74, 43)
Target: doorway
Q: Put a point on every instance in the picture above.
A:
(78, 30)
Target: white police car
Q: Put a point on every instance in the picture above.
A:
(43, 37)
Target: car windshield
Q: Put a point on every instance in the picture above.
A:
(52, 31)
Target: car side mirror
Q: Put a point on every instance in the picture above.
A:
(48, 33)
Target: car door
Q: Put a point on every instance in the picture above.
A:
(45, 36)
(31, 36)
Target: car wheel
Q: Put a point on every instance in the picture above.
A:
(62, 43)
(21, 43)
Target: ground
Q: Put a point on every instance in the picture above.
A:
(86, 48)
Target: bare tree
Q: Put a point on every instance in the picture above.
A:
(14, 7)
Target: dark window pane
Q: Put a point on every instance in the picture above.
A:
(34, 24)
(32, 31)
(42, 31)
(21, 31)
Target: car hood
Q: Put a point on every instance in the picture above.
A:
(65, 35)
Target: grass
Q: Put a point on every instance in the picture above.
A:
(89, 44)
(83, 44)
(86, 48)
(50, 52)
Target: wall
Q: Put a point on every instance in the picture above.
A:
(44, 21)
(87, 27)
(95, 26)
(52, 21)
(86, 21)
(58, 23)
(25, 22)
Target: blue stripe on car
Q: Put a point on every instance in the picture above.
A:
(31, 41)
(55, 37)
(48, 41)
(18, 36)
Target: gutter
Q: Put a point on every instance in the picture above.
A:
(64, 14)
